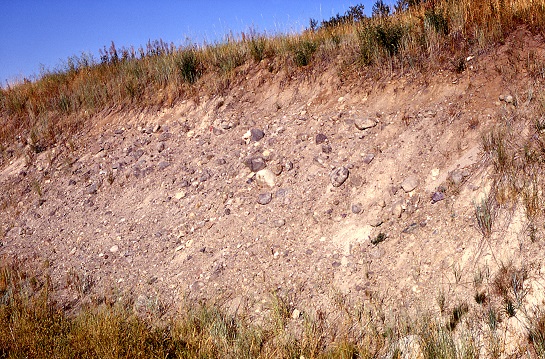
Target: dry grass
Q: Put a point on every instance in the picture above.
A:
(418, 37)
(33, 325)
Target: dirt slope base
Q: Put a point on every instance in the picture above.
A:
(314, 190)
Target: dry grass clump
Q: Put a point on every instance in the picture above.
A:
(414, 36)
(32, 325)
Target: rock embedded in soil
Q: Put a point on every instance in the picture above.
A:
(326, 148)
(255, 164)
(92, 189)
(456, 177)
(265, 177)
(320, 138)
(437, 196)
(264, 198)
(278, 223)
(409, 184)
(338, 176)
(256, 134)
(364, 123)
(368, 158)
(277, 169)
(356, 208)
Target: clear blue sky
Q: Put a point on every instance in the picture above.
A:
(47, 32)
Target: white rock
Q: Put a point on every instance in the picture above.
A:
(409, 184)
(180, 195)
(265, 177)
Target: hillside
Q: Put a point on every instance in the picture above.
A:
(408, 191)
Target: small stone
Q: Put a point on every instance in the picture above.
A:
(221, 161)
(326, 148)
(92, 189)
(437, 196)
(180, 195)
(397, 209)
(338, 176)
(296, 314)
(456, 177)
(114, 248)
(278, 223)
(226, 125)
(256, 134)
(277, 169)
(288, 165)
(409, 184)
(264, 198)
(163, 164)
(255, 164)
(356, 208)
(364, 123)
(368, 158)
(265, 177)
(509, 99)
(320, 138)
(160, 147)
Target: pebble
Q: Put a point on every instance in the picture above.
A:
(409, 184)
(163, 164)
(338, 176)
(397, 209)
(92, 189)
(364, 123)
(437, 196)
(296, 314)
(356, 208)
(278, 223)
(277, 169)
(226, 125)
(265, 177)
(256, 134)
(114, 248)
(458, 176)
(326, 148)
(264, 198)
(255, 164)
(180, 195)
(320, 138)
(368, 158)
(288, 165)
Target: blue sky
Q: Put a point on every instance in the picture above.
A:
(45, 32)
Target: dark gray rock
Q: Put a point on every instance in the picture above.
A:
(320, 138)
(256, 134)
(255, 164)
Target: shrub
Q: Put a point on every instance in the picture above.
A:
(188, 66)
(303, 51)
